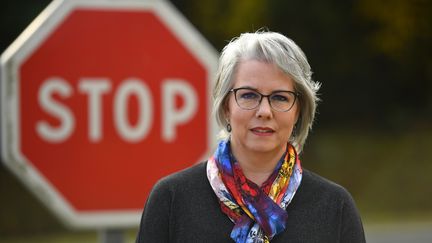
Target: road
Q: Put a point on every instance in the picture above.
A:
(399, 233)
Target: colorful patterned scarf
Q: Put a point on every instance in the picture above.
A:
(257, 212)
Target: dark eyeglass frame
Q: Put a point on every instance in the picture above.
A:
(295, 94)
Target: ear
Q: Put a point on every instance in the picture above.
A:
(227, 112)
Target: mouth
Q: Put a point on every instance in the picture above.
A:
(262, 131)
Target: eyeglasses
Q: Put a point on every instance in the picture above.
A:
(249, 99)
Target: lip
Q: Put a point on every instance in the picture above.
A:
(262, 131)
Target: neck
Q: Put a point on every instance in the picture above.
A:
(257, 166)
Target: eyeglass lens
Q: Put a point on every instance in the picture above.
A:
(250, 99)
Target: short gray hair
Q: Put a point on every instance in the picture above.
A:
(269, 47)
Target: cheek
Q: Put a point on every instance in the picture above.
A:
(239, 118)
(288, 122)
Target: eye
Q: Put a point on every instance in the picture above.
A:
(248, 95)
(280, 98)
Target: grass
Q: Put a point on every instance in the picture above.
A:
(388, 174)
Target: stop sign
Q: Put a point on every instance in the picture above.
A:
(99, 100)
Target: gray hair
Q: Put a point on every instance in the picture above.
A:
(269, 47)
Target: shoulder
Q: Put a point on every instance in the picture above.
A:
(327, 209)
(337, 202)
(337, 206)
(171, 199)
(317, 185)
(194, 172)
(175, 190)
(184, 180)
(318, 193)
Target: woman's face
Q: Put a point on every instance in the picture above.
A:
(262, 129)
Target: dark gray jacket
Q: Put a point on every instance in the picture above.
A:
(183, 208)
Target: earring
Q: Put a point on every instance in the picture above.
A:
(228, 127)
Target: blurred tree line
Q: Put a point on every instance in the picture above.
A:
(373, 58)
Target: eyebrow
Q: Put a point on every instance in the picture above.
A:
(255, 89)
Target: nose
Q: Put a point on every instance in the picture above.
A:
(264, 109)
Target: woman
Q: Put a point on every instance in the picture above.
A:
(253, 189)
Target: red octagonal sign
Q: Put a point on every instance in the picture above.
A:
(99, 100)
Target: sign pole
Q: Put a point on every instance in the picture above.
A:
(111, 236)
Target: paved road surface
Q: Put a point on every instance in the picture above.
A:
(399, 233)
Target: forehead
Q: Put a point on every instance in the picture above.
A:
(262, 76)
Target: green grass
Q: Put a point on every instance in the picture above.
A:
(389, 175)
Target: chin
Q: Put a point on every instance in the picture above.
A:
(263, 147)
